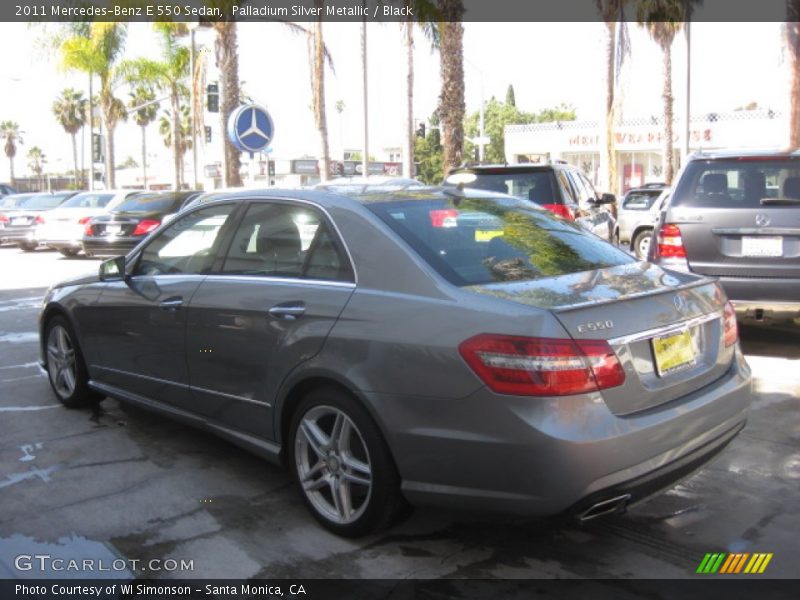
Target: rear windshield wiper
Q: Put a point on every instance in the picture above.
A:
(767, 201)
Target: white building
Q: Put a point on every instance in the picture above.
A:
(639, 142)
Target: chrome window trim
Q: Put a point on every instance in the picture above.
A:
(664, 330)
(272, 279)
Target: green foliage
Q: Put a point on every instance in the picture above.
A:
(144, 115)
(429, 154)
(11, 135)
(70, 110)
(510, 97)
(499, 114)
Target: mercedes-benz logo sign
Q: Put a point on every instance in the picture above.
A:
(250, 128)
(679, 302)
(762, 220)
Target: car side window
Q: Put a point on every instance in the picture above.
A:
(584, 195)
(570, 197)
(285, 240)
(588, 185)
(188, 246)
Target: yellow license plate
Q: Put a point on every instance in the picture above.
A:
(487, 235)
(674, 352)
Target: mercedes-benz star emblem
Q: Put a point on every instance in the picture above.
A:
(762, 220)
(254, 128)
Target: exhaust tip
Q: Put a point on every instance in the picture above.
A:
(616, 505)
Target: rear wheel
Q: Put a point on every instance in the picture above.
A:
(66, 368)
(27, 247)
(342, 466)
(641, 243)
(68, 252)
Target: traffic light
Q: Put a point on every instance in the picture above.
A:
(97, 148)
(212, 97)
(208, 134)
(421, 130)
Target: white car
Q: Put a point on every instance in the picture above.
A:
(63, 228)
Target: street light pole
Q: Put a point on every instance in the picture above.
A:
(365, 156)
(193, 102)
(90, 186)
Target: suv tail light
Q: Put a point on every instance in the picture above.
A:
(39, 220)
(562, 210)
(445, 217)
(146, 226)
(670, 242)
(526, 366)
(729, 327)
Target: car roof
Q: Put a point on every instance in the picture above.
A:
(744, 153)
(507, 168)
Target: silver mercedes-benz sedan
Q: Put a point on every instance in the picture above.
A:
(425, 346)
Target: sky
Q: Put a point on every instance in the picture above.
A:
(548, 63)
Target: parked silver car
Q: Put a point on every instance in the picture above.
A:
(637, 217)
(431, 346)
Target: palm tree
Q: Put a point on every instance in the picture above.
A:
(317, 52)
(37, 158)
(663, 19)
(99, 53)
(12, 135)
(143, 115)
(792, 34)
(169, 75)
(70, 109)
(425, 15)
(451, 99)
(610, 12)
(166, 127)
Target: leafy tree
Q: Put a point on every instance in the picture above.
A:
(99, 53)
(511, 99)
(451, 99)
(128, 163)
(71, 112)
(184, 135)
(143, 116)
(663, 19)
(430, 154)
(12, 136)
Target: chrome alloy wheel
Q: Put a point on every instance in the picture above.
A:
(61, 362)
(333, 464)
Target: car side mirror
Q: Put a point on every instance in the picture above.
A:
(607, 199)
(113, 269)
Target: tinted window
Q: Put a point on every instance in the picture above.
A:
(567, 188)
(284, 240)
(640, 200)
(188, 246)
(737, 183)
(480, 241)
(536, 186)
(162, 203)
(43, 201)
(88, 200)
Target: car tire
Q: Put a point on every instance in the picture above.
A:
(615, 238)
(25, 247)
(65, 366)
(68, 252)
(342, 466)
(641, 243)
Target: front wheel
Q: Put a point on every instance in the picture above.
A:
(68, 252)
(641, 244)
(342, 466)
(66, 368)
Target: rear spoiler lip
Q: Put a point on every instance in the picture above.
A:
(705, 280)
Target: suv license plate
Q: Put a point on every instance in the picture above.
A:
(113, 229)
(674, 352)
(762, 246)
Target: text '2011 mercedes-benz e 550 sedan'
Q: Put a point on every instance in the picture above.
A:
(419, 346)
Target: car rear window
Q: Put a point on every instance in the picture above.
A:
(742, 183)
(43, 201)
(536, 186)
(89, 200)
(640, 200)
(162, 203)
(478, 241)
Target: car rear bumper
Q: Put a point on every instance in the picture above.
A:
(111, 247)
(763, 299)
(540, 457)
(22, 234)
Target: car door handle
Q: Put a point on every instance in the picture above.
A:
(288, 311)
(173, 303)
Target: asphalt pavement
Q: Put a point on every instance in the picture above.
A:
(119, 482)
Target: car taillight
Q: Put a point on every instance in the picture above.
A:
(146, 226)
(39, 220)
(3, 219)
(526, 366)
(729, 327)
(444, 217)
(670, 242)
(88, 229)
(84, 220)
(562, 210)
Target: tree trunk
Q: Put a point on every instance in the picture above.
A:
(451, 99)
(144, 157)
(176, 138)
(318, 96)
(108, 131)
(75, 160)
(11, 170)
(793, 48)
(608, 159)
(669, 163)
(228, 64)
(408, 150)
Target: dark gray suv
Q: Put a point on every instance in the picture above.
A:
(736, 216)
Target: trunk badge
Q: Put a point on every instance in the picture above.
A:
(762, 220)
(670, 280)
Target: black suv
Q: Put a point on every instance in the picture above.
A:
(558, 187)
(736, 216)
